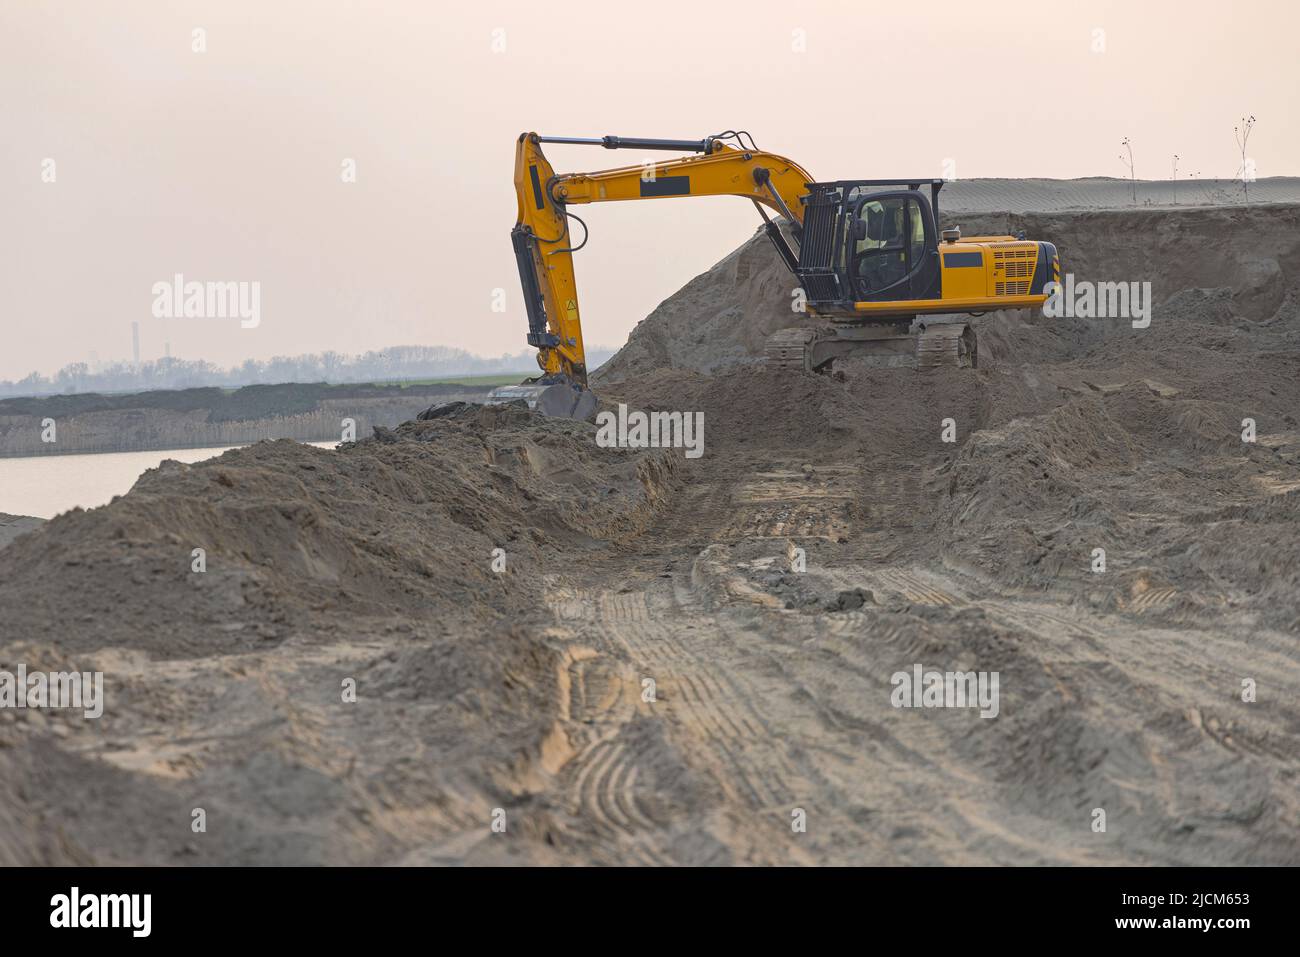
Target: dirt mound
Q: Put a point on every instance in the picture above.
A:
(1246, 260)
(1254, 251)
(719, 318)
(399, 524)
(1166, 488)
(681, 651)
(1075, 433)
(373, 563)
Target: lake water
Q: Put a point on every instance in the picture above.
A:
(45, 485)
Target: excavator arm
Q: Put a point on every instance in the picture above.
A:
(544, 244)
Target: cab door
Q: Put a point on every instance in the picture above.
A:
(892, 252)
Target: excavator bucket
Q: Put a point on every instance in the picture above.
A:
(561, 400)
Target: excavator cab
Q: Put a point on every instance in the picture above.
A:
(864, 244)
(892, 250)
(892, 287)
(874, 254)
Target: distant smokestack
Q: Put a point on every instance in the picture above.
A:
(135, 343)
(167, 349)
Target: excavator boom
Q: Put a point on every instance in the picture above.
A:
(544, 244)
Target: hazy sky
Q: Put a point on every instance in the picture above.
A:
(226, 165)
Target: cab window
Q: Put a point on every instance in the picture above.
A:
(893, 243)
(917, 226)
(881, 257)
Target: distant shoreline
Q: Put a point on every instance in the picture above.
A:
(161, 420)
(53, 452)
(11, 526)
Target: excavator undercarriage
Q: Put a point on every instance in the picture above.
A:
(916, 344)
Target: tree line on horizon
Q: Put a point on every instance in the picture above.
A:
(385, 365)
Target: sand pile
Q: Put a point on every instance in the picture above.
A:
(372, 563)
(750, 409)
(1075, 433)
(1254, 251)
(524, 692)
(1165, 487)
(724, 316)
(402, 524)
(719, 318)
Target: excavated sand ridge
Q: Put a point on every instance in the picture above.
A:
(526, 693)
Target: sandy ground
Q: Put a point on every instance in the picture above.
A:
(523, 696)
(1248, 254)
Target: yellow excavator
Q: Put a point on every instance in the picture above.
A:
(878, 275)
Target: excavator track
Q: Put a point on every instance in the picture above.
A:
(946, 344)
(790, 349)
(925, 345)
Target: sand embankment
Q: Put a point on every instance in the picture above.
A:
(648, 679)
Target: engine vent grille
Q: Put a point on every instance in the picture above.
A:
(1013, 264)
